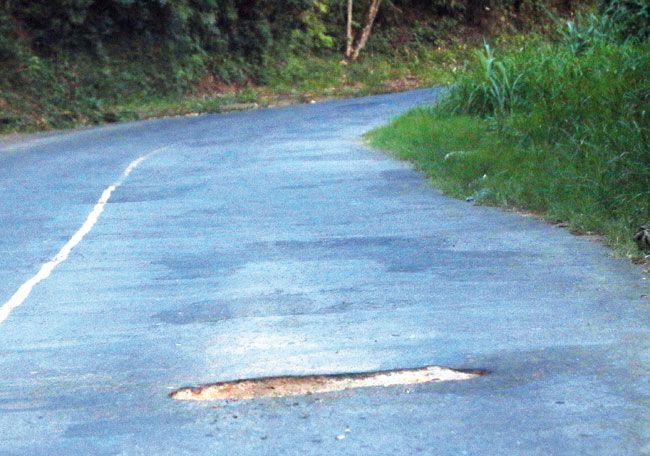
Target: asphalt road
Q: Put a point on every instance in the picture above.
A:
(274, 242)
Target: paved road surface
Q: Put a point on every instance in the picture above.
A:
(273, 242)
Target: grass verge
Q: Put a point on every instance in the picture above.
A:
(469, 157)
(558, 128)
(49, 95)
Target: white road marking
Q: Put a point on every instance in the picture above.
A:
(46, 269)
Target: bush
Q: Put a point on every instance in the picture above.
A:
(490, 86)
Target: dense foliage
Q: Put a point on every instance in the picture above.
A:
(188, 33)
(222, 29)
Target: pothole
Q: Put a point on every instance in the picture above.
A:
(313, 384)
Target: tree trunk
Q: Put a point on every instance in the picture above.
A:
(348, 33)
(367, 28)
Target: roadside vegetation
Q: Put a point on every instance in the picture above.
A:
(556, 124)
(66, 63)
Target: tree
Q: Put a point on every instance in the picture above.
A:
(348, 32)
(352, 50)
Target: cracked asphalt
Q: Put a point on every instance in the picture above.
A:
(273, 242)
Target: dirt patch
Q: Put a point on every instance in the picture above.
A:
(402, 84)
(313, 384)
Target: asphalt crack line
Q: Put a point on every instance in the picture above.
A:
(46, 269)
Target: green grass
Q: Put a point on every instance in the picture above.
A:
(304, 78)
(373, 73)
(467, 156)
(80, 90)
(558, 128)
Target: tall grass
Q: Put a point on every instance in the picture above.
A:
(565, 129)
(491, 87)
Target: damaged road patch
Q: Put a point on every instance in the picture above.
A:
(247, 389)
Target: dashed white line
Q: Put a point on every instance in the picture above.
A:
(46, 269)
